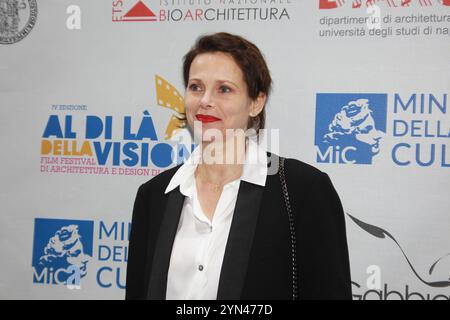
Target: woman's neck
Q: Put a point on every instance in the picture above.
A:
(222, 162)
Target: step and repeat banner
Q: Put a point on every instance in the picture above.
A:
(91, 95)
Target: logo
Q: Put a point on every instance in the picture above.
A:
(17, 18)
(61, 250)
(128, 145)
(139, 12)
(437, 264)
(201, 11)
(349, 127)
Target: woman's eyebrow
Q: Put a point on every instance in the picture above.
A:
(229, 81)
(218, 81)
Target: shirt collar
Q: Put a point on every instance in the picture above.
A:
(254, 168)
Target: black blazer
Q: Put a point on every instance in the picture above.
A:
(257, 262)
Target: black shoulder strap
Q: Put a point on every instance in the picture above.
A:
(292, 229)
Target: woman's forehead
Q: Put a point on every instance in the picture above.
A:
(217, 65)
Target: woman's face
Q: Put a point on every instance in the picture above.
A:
(216, 88)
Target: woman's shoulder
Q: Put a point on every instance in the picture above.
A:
(302, 169)
(303, 178)
(298, 170)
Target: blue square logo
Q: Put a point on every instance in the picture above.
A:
(349, 127)
(60, 249)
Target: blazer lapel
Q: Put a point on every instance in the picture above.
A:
(163, 248)
(240, 238)
(237, 251)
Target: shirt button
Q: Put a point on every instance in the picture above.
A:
(200, 267)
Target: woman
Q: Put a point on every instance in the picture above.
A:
(213, 230)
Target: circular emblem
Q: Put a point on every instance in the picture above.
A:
(17, 18)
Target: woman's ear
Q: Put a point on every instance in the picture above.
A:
(258, 104)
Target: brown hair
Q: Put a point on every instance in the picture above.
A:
(249, 59)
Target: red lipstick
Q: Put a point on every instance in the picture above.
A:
(206, 118)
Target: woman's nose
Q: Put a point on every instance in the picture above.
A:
(206, 100)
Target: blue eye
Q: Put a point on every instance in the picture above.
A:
(224, 89)
(194, 87)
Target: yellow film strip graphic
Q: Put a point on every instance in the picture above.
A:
(168, 96)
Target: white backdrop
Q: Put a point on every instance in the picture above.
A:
(78, 78)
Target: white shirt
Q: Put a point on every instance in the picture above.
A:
(199, 245)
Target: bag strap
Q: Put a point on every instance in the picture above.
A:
(292, 229)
